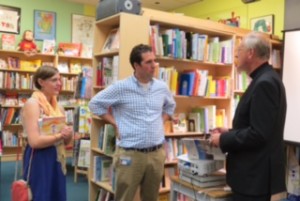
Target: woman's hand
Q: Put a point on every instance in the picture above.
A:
(67, 133)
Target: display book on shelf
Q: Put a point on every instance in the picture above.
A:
(16, 86)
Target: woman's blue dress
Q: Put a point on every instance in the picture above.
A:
(47, 181)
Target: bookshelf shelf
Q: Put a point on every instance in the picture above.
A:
(164, 190)
(21, 55)
(73, 57)
(186, 134)
(189, 62)
(98, 88)
(171, 162)
(238, 92)
(97, 150)
(105, 185)
(201, 97)
(11, 106)
(107, 54)
(112, 21)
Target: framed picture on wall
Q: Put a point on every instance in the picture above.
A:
(83, 33)
(44, 25)
(263, 24)
(10, 18)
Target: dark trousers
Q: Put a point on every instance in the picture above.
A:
(240, 197)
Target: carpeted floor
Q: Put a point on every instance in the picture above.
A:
(75, 191)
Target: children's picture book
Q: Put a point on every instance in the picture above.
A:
(112, 41)
(52, 125)
(84, 153)
(8, 42)
(201, 149)
(69, 49)
(48, 47)
(179, 123)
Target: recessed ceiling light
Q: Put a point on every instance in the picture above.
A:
(157, 2)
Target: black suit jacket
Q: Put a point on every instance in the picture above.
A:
(256, 161)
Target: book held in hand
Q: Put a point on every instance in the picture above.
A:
(201, 149)
(52, 125)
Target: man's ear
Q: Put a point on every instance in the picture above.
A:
(135, 65)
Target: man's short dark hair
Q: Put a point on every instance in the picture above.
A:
(136, 53)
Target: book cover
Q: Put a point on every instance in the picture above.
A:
(200, 149)
(69, 49)
(84, 153)
(30, 65)
(48, 47)
(63, 67)
(8, 42)
(75, 66)
(179, 122)
(52, 125)
(112, 41)
(109, 139)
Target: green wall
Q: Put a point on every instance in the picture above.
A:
(63, 9)
(221, 9)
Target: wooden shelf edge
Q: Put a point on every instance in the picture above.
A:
(202, 97)
(104, 184)
(164, 190)
(186, 134)
(204, 63)
(106, 54)
(97, 150)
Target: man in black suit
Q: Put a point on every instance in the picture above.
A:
(254, 146)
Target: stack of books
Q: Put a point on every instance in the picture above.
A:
(203, 168)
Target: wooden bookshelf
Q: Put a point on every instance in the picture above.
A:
(134, 30)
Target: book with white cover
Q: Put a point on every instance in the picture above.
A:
(202, 149)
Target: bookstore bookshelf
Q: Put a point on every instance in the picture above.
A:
(182, 65)
(16, 73)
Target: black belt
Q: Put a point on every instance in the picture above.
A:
(144, 150)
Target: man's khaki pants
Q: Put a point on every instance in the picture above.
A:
(134, 169)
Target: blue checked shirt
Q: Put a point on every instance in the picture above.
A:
(137, 112)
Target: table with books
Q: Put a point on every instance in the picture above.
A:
(201, 174)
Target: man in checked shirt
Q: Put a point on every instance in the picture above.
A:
(140, 104)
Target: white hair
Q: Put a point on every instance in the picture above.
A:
(259, 43)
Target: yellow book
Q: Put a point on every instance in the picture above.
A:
(30, 65)
(174, 81)
(52, 125)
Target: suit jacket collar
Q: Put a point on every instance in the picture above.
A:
(261, 69)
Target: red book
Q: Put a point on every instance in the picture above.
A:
(69, 49)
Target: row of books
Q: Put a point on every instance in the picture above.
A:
(107, 71)
(13, 99)
(19, 99)
(73, 66)
(16, 80)
(20, 64)
(103, 169)
(242, 81)
(9, 139)
(200, 119)
(107, 139)
(49, 47)
(180, 44)
(195, 82)
(82, 119)
(10, 116)
(173, 148)
(84, 84)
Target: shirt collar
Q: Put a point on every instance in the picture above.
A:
(262, 68)
(138, 83)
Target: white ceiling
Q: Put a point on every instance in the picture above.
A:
(154, 4)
